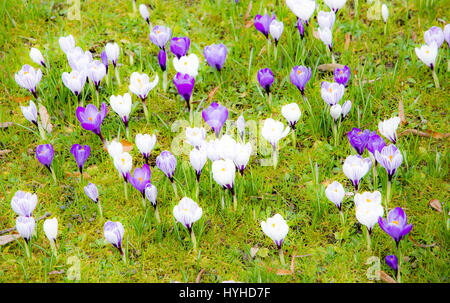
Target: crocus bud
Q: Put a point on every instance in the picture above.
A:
(180, 46)
(25, 227)
(273, 131)
(331, 92)
(299, 76)
(184, 84)
(122, 106)
(144, 12)
(195, 136)
(335, 192)
(275, 228)
(74, 81)
(187, 212)
(140, 84)
(346, 107)
(37, 57)
(342, 75)
(96, 72)
(198, 158)
(358, 139)
(81, 153)
(187, 65)
(151, 193)
(326, 19)
(112, 51)
(447, 33)
(240, 125)
(215, 55)
(265, 78)
(224, 173)
(434, 34)
(392, 262)
(396, 224)
(66, 44)
(113, 233)
(30, 112)
(162, 58)
(215, 116)
(390, 158)
(336, 111)
(355, 168)
(29, 78)
(104, 58)
(276, 29)
(368, 208)
(145, 143)
(326, 35)
(167, 162)
(388, 128)
(301, 27)
(91, 191)
(51, 229)
(262, 24)
(123, 163)
(384, 12)
(24, 203)
(291, 112)
(427, 54)
(44, 154)
(242, 156)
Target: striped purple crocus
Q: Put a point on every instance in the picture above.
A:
(113, 233)
(215, 116)
(342, 75)
(44, 154)
(180, 46)
(299, 76)
(390, 158)
(358, 139)
(262, 23)
(167, 162)
(81, 153)
(140, 178)
(184, 84)
(91, 118)
(396, 224)
(265, 78)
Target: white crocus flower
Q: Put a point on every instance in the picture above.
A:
(112, 52)
(242, 156)
(227, 147)
(187, 65)
(198, 158)
(25, 227)
(195, 136)
(335, 5)
(384, 12)
(212, 150)
(67, 44)
(276, 29)
(240, 125)
(144, 12)
(326, 35)
(275, 228)
(224, 172)
(368, 208)
(434, 34)
(37, 57)
(51, 229)
(28, 78)
(273, 131)
(123, 163)
(291, 112)
(388, 128)
(74, 81)
(355, 168)
(326, 19)
(140, 84)
(121, 105)
(24, 203)
(335, 192)
(427, 54)
(336, 111)
(346, 107)
(145, 143)
(96, 72)
(187, 212)
(80, 61)
(30, 112)
(303, 9)
(115, 148)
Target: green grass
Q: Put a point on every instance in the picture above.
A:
(164, 253)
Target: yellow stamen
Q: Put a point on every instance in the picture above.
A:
(395, 222)
(299, 72)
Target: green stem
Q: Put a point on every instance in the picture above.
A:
(342, 218)
(116, 69)
(53, 247)
(98, 98)
(335, 133)
(197, 189)
(436, 79)
(234, 202)
(100, 209)
(399, 253)
(268, 48)
(222, 199)
(280, 252)
(27, 251)
(125, 190)
(274, 157)
(53, 174)
(143, 202)
(194, 240)
(175, 190)
(145, 110)
(368, 240)
(157, 215)
(375, 175)
(294, 138)
(388, 195)
(41, 130)
(165, 80)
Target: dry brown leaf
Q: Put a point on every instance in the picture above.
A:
(22, 99)
(247, 13)
(420, 245)
(4, 152)
(212, 93)
(77, 174)
(347, 41)
(45, 118)
(293, 262)
(426, 133)
(386, 278)
(253, 251)
(5, 124)
(8, 238)
(330, 67)
(127, 146)
(56, 272)
(316, 34)
(436, 205)
(248, 23)
(401, 112)
(283, 272)
(197, 280)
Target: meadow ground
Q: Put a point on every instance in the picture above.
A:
(385, 71)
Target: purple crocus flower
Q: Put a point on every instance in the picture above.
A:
(396, 224)
(104, 57)
(358, 139)
(113, 233)
(299, 76)
(262, 23)
(390, 158)
(91, 191)
(167, 162)
(140, 178)
(265, 78)
(342, 75)
(392, 262)
(160, 35)
(162, 60)
(215, 116)
(184, 84)
(215, 55)
(44, 154)
(180, 46)
(375, 143)
(301, 27)
(91, 119)
(81, 153)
